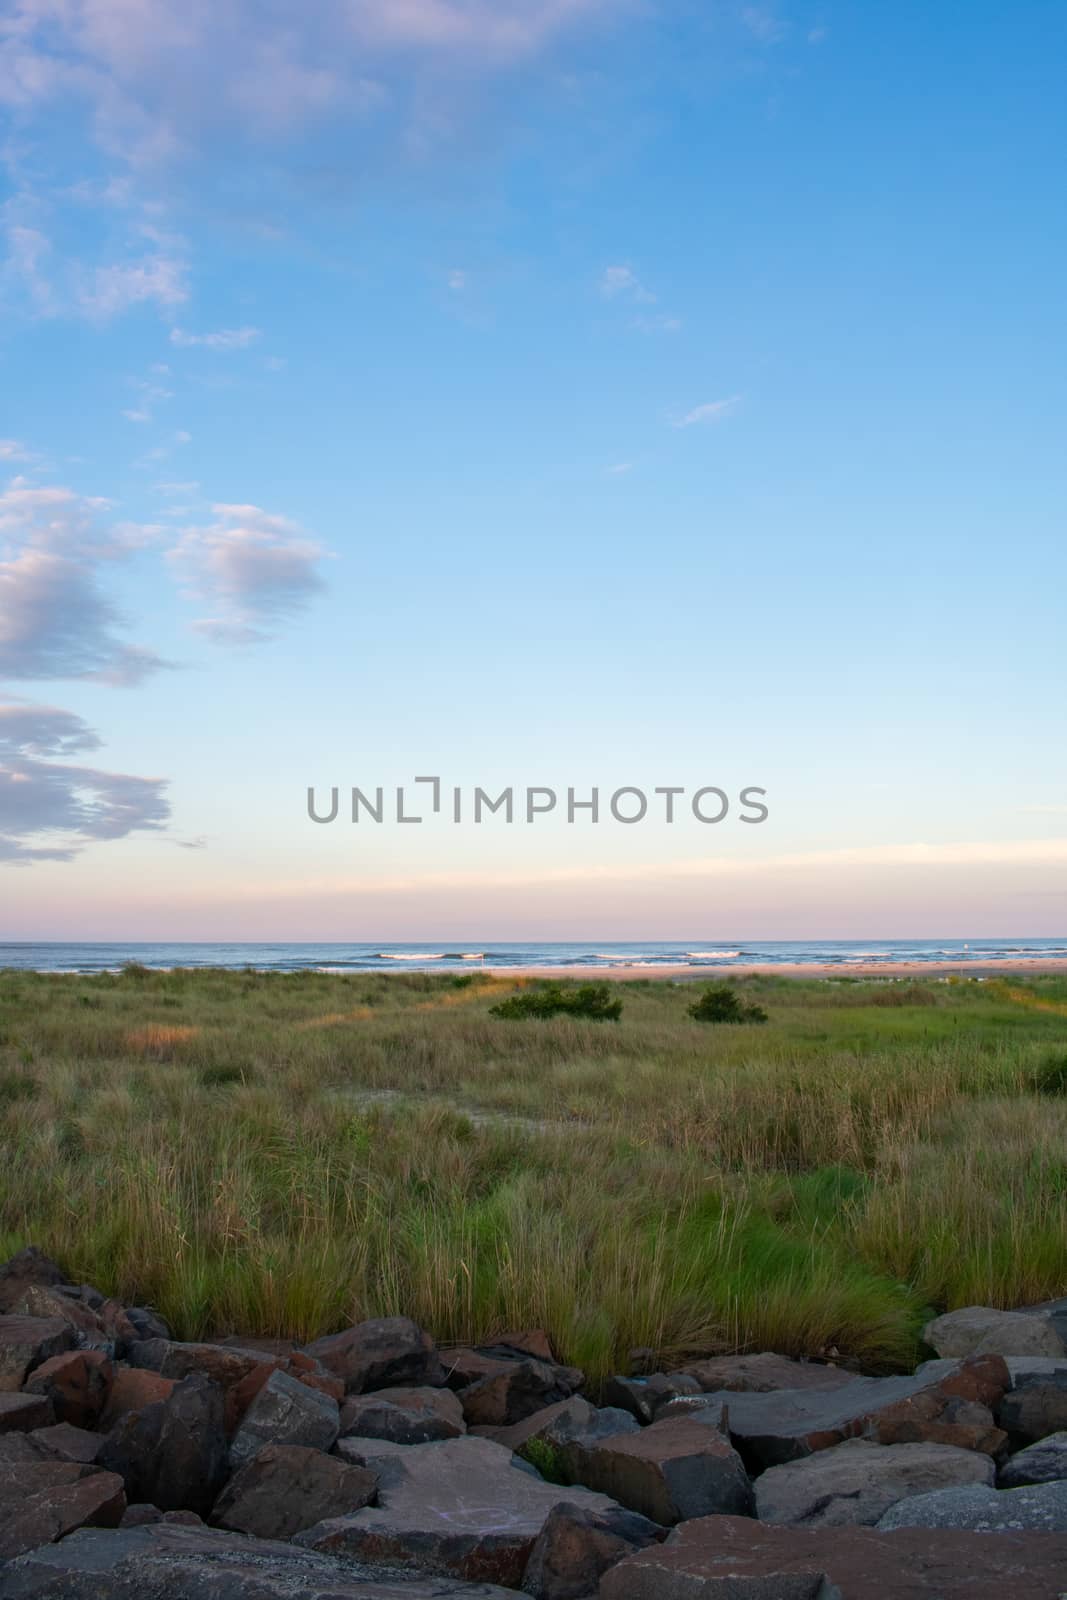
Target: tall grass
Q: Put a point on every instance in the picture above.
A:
(272, 1154)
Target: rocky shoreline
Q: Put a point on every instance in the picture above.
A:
(375, 1465)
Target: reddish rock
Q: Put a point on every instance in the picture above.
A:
(66, 1304)
(729, 1558)
(643, 1397)
(77, 1383)
(21, 1413)
(517, 1390)
(576, 1547)
(296, 1364)
(132, 1389)
(529, 1342)
(565, 1422)
(380, 1354)
(27, 1341)
(172, 1453)
(669, 1472)
(44, 1501)
(285, 1412)
(761, 1374)
(29, 1266)
(287, 1488)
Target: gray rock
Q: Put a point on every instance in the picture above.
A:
(763, 1373)
(167, 1562)
(981, 1331)
(285, 1412)
(565, 1422)
(1044, 1462)
(408, 1416)
(577, 1546)
(460, 1508)
(286, 1488)
(516, 1390)
(172, 1453)
(44, 1500)
(643, 1397)
(1039, 1508)
(381, 1354)
(22, 1413)
(69, 1443)
(27, 1266)
(854, 1484)
(1035, 1406)
(670, 1472)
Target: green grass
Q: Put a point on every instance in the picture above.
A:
(280, 1154)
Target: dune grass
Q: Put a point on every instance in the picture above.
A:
(281, 1154)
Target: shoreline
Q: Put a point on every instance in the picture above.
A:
(1027, 967)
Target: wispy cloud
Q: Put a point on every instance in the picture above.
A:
(622, 282)
(224, 339)
(254, 570)
(457, 280)
(49, 810)
(14, 450)
(619, 469)
(710, 411)
(56, 621)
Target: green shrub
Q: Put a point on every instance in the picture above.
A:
(1050, 1077)
(590, 1001)
(220, 1075)
(547, 1459)
(720, 1003)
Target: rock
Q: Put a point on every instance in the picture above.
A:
(1039, 1508)
(21, 1413)
(729, 1558)
(461, 1508)
(286, 1488)
(642, 1397)
(979, 1330)
(69, 1443)
(140, 1516)
(386, 1353)
(407, 1416)
(517, 1391)
(64, 1304)
(225, 1365)
(77, 1383)
(565, 1422)
(167, 1562)
(576, 1546)
(771, 1428)
(29, 1266)
(761, 1374)
(1036, 1405)
(18, 1447)
(669, 1472)
(43, 1501)
(172, 1453)
(854, 1484)
(1044, 1462)
(148, 1324)
(1054, 1310)
(297, 1365)
(25, 1342)
(285, 1411)
(133, 1388)
(708, 1409)
(466, 1366)
(529, 1342)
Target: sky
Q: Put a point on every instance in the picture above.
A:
(559, 393)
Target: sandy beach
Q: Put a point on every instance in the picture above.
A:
(1029, 967)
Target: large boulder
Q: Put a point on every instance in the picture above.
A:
(499, 1386)
(854, 1484)
(644, 1397)
(980, 1330)
(385, 1353)
(407, 1416)
(285, 1488)
(78, 1384)
(1044, 1462)
(28, 1266)
(26, 1342)
(462, 1508)
(44, 1500)
(1038, 1508)
(68, 1443)
(576, 1547)
(669, 1472)
(168, 1562)
(771, 1428)
(64, 1303)
(763, 1373)
(172, 1453)
(285, 1411)
(730, 1558)
(133, 1388)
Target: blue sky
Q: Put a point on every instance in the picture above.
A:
(567, 392)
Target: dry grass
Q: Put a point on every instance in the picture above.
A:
(272, 1154)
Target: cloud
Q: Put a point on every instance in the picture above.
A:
(623, 283)
(50, 811)
(254, 569)
(619, 469)
(457, 279)
(13, 450)
(711, 411)
(55, 619)
(224, 339)
(105, 291)
(34, 730)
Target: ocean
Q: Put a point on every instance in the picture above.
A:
(463, 956)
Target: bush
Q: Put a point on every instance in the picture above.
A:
(591, 1001)
(720, 1003)
(1050, 1077)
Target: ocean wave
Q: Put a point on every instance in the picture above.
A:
(415, 955)
(712, 955)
